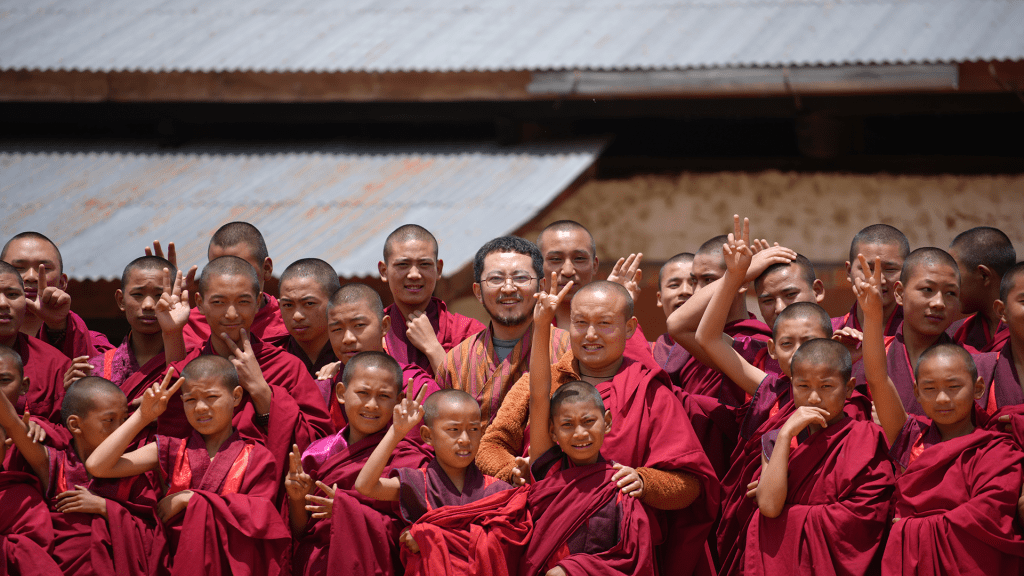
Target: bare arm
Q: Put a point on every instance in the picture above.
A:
(109, 459)
(540, 368)
(888, 405)
(17, 430)
(369, 483)
(774, 484)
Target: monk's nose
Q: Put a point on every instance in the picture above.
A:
(349, 336)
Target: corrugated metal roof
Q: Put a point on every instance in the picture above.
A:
(338, 204)
(447, 35)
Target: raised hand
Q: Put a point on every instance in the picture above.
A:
(158, 251)
(172, 309)
(851, 338)
(321, 506)
(869, 290)
(767, 256)
(521, 473)
(82, 501)
(80, 368)
(155, 398)
(408, 413)
(547, 304)
(297, 483)
(51, 304)
(628, 273)
(737, 250)
(628, 480)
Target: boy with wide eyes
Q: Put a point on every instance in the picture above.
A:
(323, 504)
(958, 485)
(217, 510)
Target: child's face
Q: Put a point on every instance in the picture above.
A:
(229, 305)
(784, 286)
(821, 386)
(304, 309)
(353, 328)
(455, 434)
(676, 286)
(12, 384)
(209, 404)
(411, 271)
(945, 390)
(12, 308)
(579, 428)
(369, 399)
(1012, 310)
(107, 413)
(138, 300)
(790, 334)
(931, 298)
(892, 265)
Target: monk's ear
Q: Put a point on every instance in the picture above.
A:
(979, 388)
(987, 275)
(631, 325)
(63, 285)
(383, 269)
(339, 391)
(850, 386)
(385, 325)
(771, 348)
(268, 268)
(199, 301)
(849, 270)
(24, 386)
(236, 396)
(657, 298)
(607, 421)
(426, 435)
(119, 299)
(819, 290)
(897, 292)
(74, 424)
(1000, 309)
(440, 266)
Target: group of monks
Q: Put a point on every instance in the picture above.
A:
(320, 432)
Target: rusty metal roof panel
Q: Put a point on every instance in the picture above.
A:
(457, 35)
(337, 203)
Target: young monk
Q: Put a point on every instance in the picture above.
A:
(26, 533)
(878, 241)
(1006, 394)
(281, 404)
(983, 254)
(44, 365)
(218, 508)
(322, 514)
(928, 291)
(825, 482)
(13, 385)
(356, 323)
(100, 526)
(49, 316)
(422, 328)
(586, 510)
(157, 312)
(958, 487)
(655, 437)
(675, 287)
(306, 286)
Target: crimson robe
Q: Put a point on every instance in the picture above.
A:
(849, 320)
(26, 533)
(267, 325)
(297, 412)
(670, 356)
(1003, 394)
(428, 488)
(363, 530)
(231, 525)
(451, 329)
(571, 498)
(128, 542)
(44, 367)
(325, 357)
(957, 504)
(839, 485)
(57, 437)
(78, 339)
(698, 378)
(973, 334)
(482, 538)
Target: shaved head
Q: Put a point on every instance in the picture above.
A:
(713, 248)
(623, 300)
(925, 257)
(6, 268)
(439, 402)
(1008, 281)
(358, 293)
(567, 226)
(824, 351)
(984, 246)
(408, 233)
(801, 263)
(373, 359)
(879, 234)
(573, 392)
(681, 258)
(802, 310)
(34, 236)
(15, 358)
(81, 396)
(235, 233)
(211, 366)
(315, 269)
(228, 266)
(147, 263)
(948, 350)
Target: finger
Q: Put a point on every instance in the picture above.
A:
(230, 343)
(419, 395)
(165, 277)
(863, 263)
(167, 379)
(190, 278)
(619, 266)
(317, 501)
(295, 465)
(172, 254)
(177, 287)
(41, 286)
(878, 270)
(565, 290)
(326, 489)
(246, 345)
(26, 418)
(148, 251)
(554, 282)
(157, 249)
(736, 230)
(746, 230)
(176, 386)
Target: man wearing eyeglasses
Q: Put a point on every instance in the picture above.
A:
(506, 274)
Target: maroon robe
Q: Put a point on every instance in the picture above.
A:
(670, 356)
(849, 320)
(1004, 394)
(973, 334)
(698, 378)
(78, 339)
(128, 542)
(231, 525)
(267, 325)
(837, 504)
(44, 367)
(325, 357)
(364, 530)
(573, 528)
(957, 501)
(484, 538)
(26, 533)
(425, 489)
(450, 328)
(57, 438)
(297, 412)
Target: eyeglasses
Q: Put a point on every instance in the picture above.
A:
(521, 280)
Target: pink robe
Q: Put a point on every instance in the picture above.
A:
(450, 328)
